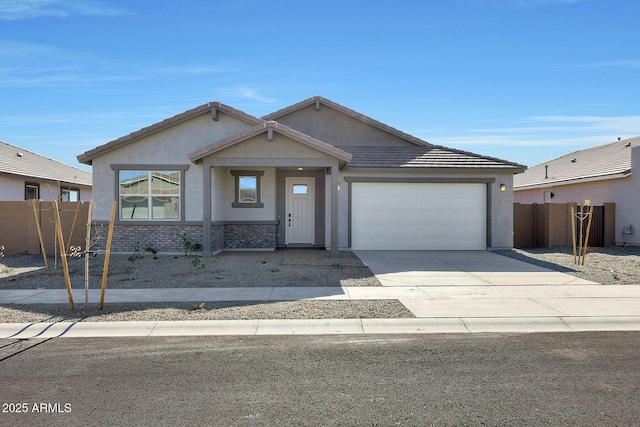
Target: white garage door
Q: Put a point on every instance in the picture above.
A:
(418, 216)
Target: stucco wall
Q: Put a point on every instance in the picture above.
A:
(12, 189)
(170, 146)
(336, 128)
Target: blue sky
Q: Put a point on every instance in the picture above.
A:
(522, 80)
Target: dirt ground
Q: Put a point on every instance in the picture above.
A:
(291, 267)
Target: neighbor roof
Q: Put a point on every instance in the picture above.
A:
(324, 101)
(606, 161)
(18, 162)
(432, 157)
(210, 107)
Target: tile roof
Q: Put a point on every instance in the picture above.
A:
(601, 162)
(16, 161)
(433, 157)
(318, 99)
(211, 107)
(277, 127)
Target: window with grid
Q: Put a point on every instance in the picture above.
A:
(149, 195)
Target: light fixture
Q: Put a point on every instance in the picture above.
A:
(338, 186)
(503, 188)
(299, 169)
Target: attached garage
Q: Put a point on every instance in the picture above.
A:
(418, 216)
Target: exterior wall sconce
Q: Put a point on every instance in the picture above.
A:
(503, 188)
(338, 186)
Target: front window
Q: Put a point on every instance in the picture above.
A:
(149, 195)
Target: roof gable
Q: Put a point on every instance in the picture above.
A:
(269, 127)
(333, 123)
(15, 161)
(601, 162)
(213, 108)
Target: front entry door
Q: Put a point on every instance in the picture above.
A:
(300, 214)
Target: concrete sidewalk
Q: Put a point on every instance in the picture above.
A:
(447, 291)
(438, 309)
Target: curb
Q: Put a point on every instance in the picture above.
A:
(27, 331)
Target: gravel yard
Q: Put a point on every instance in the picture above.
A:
(609, 266)
(614, 265)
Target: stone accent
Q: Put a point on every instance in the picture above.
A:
(166, 238)
(238, 236)
(217, 237)
(162, 238)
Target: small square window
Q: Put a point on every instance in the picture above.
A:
(31, 191)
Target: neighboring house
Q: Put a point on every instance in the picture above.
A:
(25, 175)
(313, 174)
(608, 173)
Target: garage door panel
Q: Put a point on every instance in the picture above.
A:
(416, 216)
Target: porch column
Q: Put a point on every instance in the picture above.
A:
(334, 210)
(206, 208)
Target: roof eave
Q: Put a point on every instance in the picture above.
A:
(212, 107)
(414, 169)
(583, 180)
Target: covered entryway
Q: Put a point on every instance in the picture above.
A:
(418, 216)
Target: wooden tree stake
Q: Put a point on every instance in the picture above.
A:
(44, 252)
(87, 241)
(63, 253)
(107, 254)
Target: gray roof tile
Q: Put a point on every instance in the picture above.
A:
(596, 162)
(434, 157)
(20, 162)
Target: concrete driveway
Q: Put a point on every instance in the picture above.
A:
(459, 268)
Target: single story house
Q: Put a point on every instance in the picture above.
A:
(608, 173)
(315, 174)
(25, 175)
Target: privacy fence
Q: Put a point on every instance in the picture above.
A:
(19, 233)
(549, 224)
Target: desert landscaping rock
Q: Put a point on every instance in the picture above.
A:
(613, 265)
(244, 310)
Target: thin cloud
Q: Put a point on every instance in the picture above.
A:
(11, 10)
(521, 4)
(245, 92)
(623, 63)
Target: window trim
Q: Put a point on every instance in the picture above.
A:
(237, 174)
(28, 185)
(117, 168)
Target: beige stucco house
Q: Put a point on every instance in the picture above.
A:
(314, 174)
(608, 173)
(25, 175)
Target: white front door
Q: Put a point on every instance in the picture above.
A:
(300, 213)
